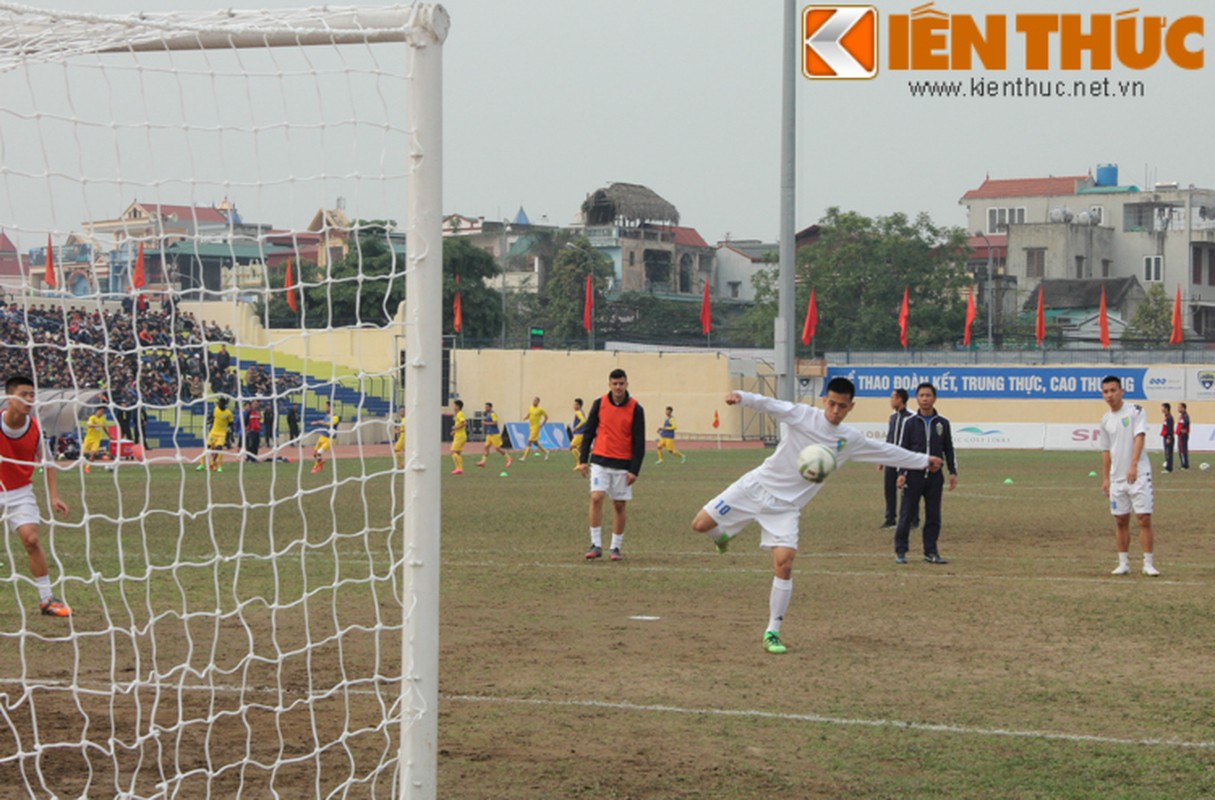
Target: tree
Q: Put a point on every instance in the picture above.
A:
(1152, 323)
(859, 268)
(481, 304)
(563, 298)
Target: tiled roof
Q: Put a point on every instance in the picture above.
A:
(1080, 293)
(1025, 187)
(6, 244)
(752, 249)
(188, 213)
(688, 237)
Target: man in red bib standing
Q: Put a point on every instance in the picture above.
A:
(22, 450)
(613, 447)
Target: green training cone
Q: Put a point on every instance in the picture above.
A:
(1008, 480)
(1093, 474)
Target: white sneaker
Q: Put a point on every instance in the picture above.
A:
(1150, 571)
(1122, 569)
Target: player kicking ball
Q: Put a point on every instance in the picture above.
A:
(22, 449)
(774, 493)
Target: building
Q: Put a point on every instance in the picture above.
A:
(1083, 227)
(738, 260)
(524, 250)
(639, 232)
(1072, 307)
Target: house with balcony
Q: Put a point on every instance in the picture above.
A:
(1083, 227)
(639, 232)
(524, 250)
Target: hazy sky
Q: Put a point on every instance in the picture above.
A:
(547, 100)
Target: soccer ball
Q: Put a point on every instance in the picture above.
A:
(1204, 466)
(815, 462)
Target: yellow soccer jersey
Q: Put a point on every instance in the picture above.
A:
(96, 426)
(459, 425)
(534, 415)
(221, 421)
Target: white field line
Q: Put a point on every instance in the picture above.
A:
(756, 714)
(818, 719)
(901, 574)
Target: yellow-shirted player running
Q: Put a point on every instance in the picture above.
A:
(536, 417)
(493, 437)
(90, 448)
(217, 439)
(666, 437)
(459, 435)
(398, 447)
(324, 442)
(576, 431)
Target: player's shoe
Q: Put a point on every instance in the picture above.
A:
(457, 472)
(595, 552)
(1122, 569)
(615, 554)
(1151, 571)
(900, 558)
(509, 461)
(316, 469)
(773, 644)
(55, 607)
(88, 468)
(480, 463)
(935, 558)
(200, 467)
(683, 459)
(219, 469)
(722, 543)
(546, 456)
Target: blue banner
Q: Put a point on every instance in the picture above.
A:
(995, 383)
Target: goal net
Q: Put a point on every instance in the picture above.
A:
(220, 266)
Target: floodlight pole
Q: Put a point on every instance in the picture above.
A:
(786, 361)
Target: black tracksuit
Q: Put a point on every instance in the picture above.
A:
(931, 435)
(894, 434)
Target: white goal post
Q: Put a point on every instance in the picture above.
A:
(178, 673)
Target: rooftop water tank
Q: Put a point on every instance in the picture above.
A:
(1107, 174)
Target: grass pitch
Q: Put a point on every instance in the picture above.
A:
(1020, 669)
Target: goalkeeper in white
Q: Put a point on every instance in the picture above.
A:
(774, 493)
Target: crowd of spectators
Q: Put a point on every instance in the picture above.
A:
(137, 354)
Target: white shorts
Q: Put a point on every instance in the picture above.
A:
(613, 482)
(20, 507)
(746, 500)
(1125, 497)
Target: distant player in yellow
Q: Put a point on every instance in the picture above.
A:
(536, 417)
(328, 425)
(576, 432)
(493, 437)
(217, 439)
(398, 447)
(91, 447)
(666, 437)
(459, 435)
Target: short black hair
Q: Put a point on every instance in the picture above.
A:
(902, 394)
(669, 408)
(1167, 407)
(578, 400)
(841, 385)
(222, 402)
(617, 374)
(16, 382)
(1112, 379)
(927, 385)
(458, 404)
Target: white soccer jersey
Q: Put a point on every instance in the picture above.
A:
(807, 425)
(1117, 435)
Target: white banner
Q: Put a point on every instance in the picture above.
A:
(1044, 436)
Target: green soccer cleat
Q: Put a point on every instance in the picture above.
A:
(773, 644)
(722, 543)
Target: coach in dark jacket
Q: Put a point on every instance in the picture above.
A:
(926, 432)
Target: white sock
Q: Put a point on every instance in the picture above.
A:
(617, 540)
(1124, 559)
(44, 587)
(778, 602)
(1147, 560)
(597, 537)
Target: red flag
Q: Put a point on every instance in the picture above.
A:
(588, 307)
(1040, 327)
(1103, 321)
(50, 264)
(811, 320)
(903, 314)
(137, 277)
(1177, 336)
(716, 420)
(457, 309)
(706, 312)
(970, 313)
(289, 284)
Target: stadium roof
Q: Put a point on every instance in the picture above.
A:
(1026, 187)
